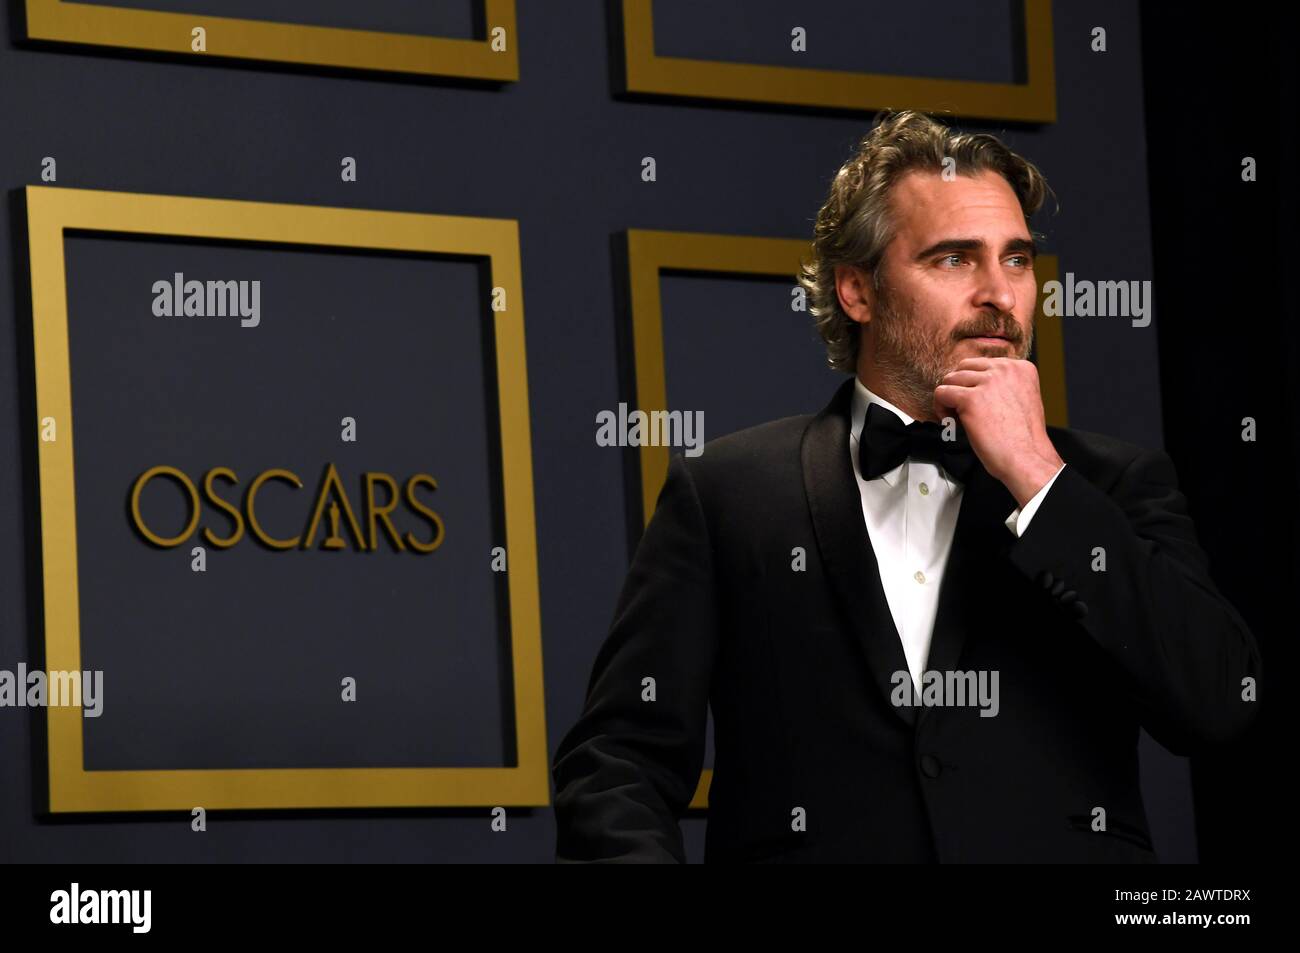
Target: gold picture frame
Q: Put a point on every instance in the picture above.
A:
(1031, 101)
(649, 253)
(72, 788)
(164, 32)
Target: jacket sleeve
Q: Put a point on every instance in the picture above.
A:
(626, 772)
(1181, 650)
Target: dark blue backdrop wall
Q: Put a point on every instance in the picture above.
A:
(561, 153)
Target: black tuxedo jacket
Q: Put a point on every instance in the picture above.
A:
(1101, 618)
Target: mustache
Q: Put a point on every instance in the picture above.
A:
(991, 324)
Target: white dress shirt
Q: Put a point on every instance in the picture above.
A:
(911, 513)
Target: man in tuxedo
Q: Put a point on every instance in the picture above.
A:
(929, 626)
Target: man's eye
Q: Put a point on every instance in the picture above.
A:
(1021, 261)
(953, 258)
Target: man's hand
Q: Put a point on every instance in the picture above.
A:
(998, 403)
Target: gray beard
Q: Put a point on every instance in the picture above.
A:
(912, 363)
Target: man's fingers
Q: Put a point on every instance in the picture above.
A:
(952, 395)
(964, 378)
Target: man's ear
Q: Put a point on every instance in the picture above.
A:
(856, 292)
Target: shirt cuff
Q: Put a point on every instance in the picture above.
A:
(1019, 519)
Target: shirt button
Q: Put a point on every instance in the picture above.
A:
(924, 489)
(920, 576)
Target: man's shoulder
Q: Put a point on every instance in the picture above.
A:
(755, 469)
(773, 440)
(748, 466)
(1099, 457)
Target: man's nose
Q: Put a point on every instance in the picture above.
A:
(994, 289)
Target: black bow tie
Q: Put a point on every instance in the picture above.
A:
(886, 442)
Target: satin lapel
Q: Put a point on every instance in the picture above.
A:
(966, 596)
(836, 507)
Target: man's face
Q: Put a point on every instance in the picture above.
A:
(957, 281)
